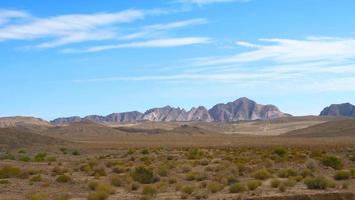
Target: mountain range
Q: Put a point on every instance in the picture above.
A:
(238, 110)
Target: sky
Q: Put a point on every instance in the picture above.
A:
(75, 58)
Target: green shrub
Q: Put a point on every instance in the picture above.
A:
(64, 179)
(333, 162)
(145, 151)
(149, 190)
(318, 183)
(342, 175)
(214, 186)
(253, 184)
(262, 174)
(280, 151)
(25, 158)
(237, 188)
(40, 157)
(143, 175)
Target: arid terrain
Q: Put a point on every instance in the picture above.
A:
(285, 158)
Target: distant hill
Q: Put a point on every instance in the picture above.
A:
(238, 110)
(6, 122)
(85, 128)
(13, 137)
(328, 129)
(339, 110)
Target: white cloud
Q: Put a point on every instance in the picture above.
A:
(316, 64)
(158, 28)
(158, 43)
(204, 2)
(289, 51)
(7, 15)
(66, 25)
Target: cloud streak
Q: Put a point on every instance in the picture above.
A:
(158, 43)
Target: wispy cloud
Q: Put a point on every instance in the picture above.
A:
(158, 43)
(289, 51)
(8, 15)
(68, 29)
(313, 64)
(204, 2)
(155, 29)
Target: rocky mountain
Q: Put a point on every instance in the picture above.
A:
(244, 109)
(339, 110)
(114, 118)
(240, 109)
(168, 114)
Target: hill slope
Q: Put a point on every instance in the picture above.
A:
(327, 129)
(13, 137)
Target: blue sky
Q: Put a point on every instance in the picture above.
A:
(98, 57)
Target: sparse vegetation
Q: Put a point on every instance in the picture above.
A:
(333, 162)
(318, 183)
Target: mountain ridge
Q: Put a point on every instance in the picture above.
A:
(238, 110)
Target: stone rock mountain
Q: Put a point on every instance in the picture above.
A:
(240, 109)
(244, 109)
(339, 110)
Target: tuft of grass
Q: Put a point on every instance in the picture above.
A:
(40, 157)
(318, 183)
(98, 195)
(64, 179)
(285, 173)
(333, 162)
(36, 178)
(187, 189)
(62, 197)
(194, 154)
(262, 174)
(342, 175)
(253, 184)
(149, 190)
(275, 183)
(39, 196)
(24, 158)
(51, 158)
(10, 172)
(237, 188)
(214, 186)
(117, 180)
